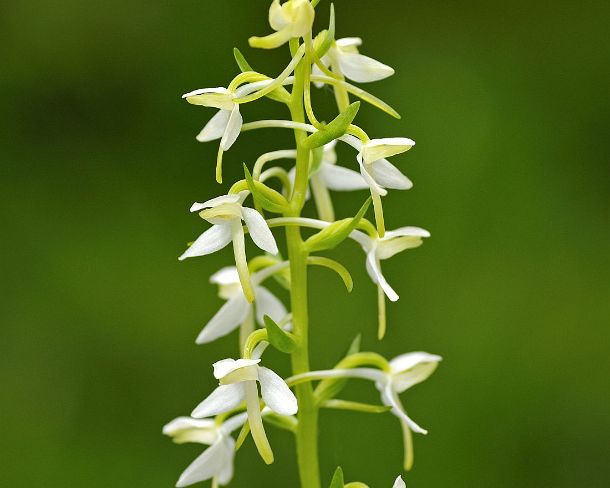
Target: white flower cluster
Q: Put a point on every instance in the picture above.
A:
(249, 394)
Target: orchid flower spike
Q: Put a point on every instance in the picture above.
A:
(399, 483)
(238, 383)
(293, 18)
(225, 213)
(344, 59)
(216, 462)
(237, 310)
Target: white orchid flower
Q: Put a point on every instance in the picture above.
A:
(237, 310)
(214, 463)
(404, 372)
(381, 248)
(238, 383)
(293, 18)
(344, 59)
(399, 483)
(225, 213)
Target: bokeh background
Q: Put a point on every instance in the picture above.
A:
(510, 107)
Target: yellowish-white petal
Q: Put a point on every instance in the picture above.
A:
(384, 148)
(363, 69)
(232, 130)
(216, 127)
(223, 399)
(338, 178)
(220, 98)
(212, 462)
(389, 176)
(226, 320)
(214, 239)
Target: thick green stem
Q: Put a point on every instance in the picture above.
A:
(307, 430)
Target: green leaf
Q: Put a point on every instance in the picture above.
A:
(279, 94)
(266, 197)
(334, 129)
(356, 484)
(337, 481)
(280, 339)
(336, 267)
(331, 236)
(354, 347)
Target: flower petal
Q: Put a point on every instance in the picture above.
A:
(374, 269)
(368, 177)
(220, 98)
(232, 130)
(339, 178)
(386, 248)
(275, 392)
(188, 429)
(226, 366)
(408, 231)
(390, 398)
(259, 230)
(413, 368)
(226, 320)
(216, 127)
(226, 474)
(266, 303)
(212, 240)
(363, 69)
(399, 483)
(277, 19)
(214, 202)
(223, 399)
(384, 148)
(212, 462)
(389, 176)
(226, 276)
(349, 42)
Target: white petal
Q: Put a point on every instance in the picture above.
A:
(266, 303)
(363, 69)
(276, 394)
(212, 240)
(226, 366)
(349, 42)
(277, 20)
(223, 399)
(214, 202)
(390, 398)
(384, 148)
(226, 474)
(374, 268)
(187, 429)
(368, 177)
(408, 232)
(259, 230)
(220, 98)
(226, 320)
(213, 460)
(225, 276)
(389, 176)
(412, 368)
(399, 483)
(232, 130)
(216, 127)
(386, 248)
(339, 178)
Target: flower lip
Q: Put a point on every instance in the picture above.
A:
(225, 367)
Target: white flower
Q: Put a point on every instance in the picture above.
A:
(226, 213)
(237, 308)
(404, 372)
(238, 383)
(226, 124)
(294, 18)
(399, 483)
(216, 462)
(343, 57)
(380, 248)
(333, 176)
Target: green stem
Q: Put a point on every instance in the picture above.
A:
(307, 429)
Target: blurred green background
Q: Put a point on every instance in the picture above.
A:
(510, 107)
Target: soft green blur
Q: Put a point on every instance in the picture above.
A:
(510, 107)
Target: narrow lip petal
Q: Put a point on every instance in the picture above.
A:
(225, 366)
(214, 202)
(275, 392)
